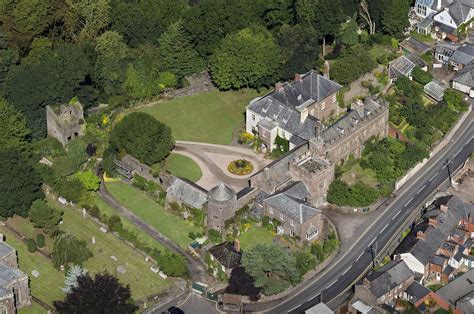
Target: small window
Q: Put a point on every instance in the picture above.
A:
(292, 233)
(283, 134)
(253, 117)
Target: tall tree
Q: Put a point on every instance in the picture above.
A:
(20, 184)
(85, 19)
(68, 249)
(395, 16)
(14, 132)
(272, 267)
(248, 58)
(179, 56)
(277, 13)
(101, 294)
(143, 137)
(44, 216)
(349, 35)
(242, 283)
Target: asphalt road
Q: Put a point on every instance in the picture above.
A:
(347, 269)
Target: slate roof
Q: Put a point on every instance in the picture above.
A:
(8, 274)
(414, 45)
(296, 209)
(187, 192)
(222, 193)
(435, 90)
(463, 55)
(297, 190)
(350, 122)
(320, 308)
(388, 277)
(400, 66)
(417, 291)
(459, 289)
(459, 10)
(435, 237)
(466, 75)
(5, 249)
(445, 48)
(283, 106)
(226, 255)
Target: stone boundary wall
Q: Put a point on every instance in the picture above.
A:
(198, 83)
(438, 147)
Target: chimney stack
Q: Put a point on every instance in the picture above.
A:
(298, 77)
(438, 4)
(237, 245)
(279, 87)
(432, 222)
(420, 235)
(444, 208)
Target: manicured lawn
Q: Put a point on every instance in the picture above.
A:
(25, 227)
(34, 308)
(182, 166)
(209, 117)
(168, 224)
(143, 236)
(47, 286)
(255, 235)
(142, 280)
(357, 174)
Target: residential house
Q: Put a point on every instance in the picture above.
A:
(462, 56)
(463, 81)
(14, 284)
(429, 247)
(295, 216)
(443, 51)
(226, 256)
(402, 66)
(419, 295)
(459, 293)
(292, 110)
(384, 285)
(413, 45)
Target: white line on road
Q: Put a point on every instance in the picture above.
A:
(360, 256)
(421, 189)
(434, 176)
(332, 283)
(347, 269)
(313, 297)
(406, 204)
(372, 241)
(382, 230)
(444, 166)
(294, 308)
(398, 213)
(458, 152)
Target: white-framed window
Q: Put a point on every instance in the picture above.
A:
(253, 117)
(292, 233)
(312, 235)
(282, 217)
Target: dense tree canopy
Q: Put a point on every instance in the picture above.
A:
(20, 184)
(248, 58)
(242, 283)
(68, 249)
(100, 294)
(13, 132)
(143, 137)
(42, 215)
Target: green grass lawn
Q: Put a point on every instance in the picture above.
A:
(47, 286)
(182, 166)
(255, 235)
(142, 235)
(209, 117)
(25, 227)
(357, 174)
(34, 308)
(165, 222)
(142, 280)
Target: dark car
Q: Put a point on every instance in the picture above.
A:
(175, 310)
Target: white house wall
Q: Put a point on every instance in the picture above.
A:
(250, 122)
(461, 88)
(412, 263)
(445, 18)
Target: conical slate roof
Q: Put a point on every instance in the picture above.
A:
(221, 193)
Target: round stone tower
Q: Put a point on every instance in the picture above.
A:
(221, 203)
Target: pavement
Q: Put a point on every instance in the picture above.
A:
(213, 160)
(354, 262)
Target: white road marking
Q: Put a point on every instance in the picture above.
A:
(313, 297)
(347, 269)
(332, 283)
(396, 214)
(382, 230)
(406, 204)
(434, 176)
(294, 308)
(421, 189)
(360, 256)
(444, 166)
(458, 152)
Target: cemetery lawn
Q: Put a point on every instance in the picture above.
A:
(183, 166)
(209, 117)
(255, 235)
(141, 235)
(170, 225)
(34, 308)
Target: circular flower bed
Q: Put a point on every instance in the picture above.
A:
(240, 167)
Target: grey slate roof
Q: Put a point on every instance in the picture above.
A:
(226, 254)
(222, 193)
(435, 90)
(459, 289)
(292, 207)
(8, 274)
(187, 192)
(466, 75)
(459, 10)
(297, 190)
(283, 107)
(388, 277)
(400, 66)
(463, 55)
(435, 237)
(320, 308)
(5, 249)
(414, 45)
(350, 122)
(417, 291)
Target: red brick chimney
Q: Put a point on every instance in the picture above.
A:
(298, 77)
(444, 208)
(279, 87)
(432, 222)
(237, 245)
(420, 235)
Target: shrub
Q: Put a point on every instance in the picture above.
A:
(422, 77)
(68, 249)
(340, 193)
(70, 189)
(115, 223)
(31, 245)
(144, 184)
(170, 263)
(44, 216)
(304, 262)
(214, 236)
(240, 167)
(40, 241)
(94, 211)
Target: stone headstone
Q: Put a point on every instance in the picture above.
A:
(62, 200)
(162, 275)
(147, 258)
(121, 269)
(93, 240)
(103, 229)
(154, 269)
(83, 213)
(114, 258)
(35, 273)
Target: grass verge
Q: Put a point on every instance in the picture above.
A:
(183, 166)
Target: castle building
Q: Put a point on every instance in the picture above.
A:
(221, 206)
(65, 122)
